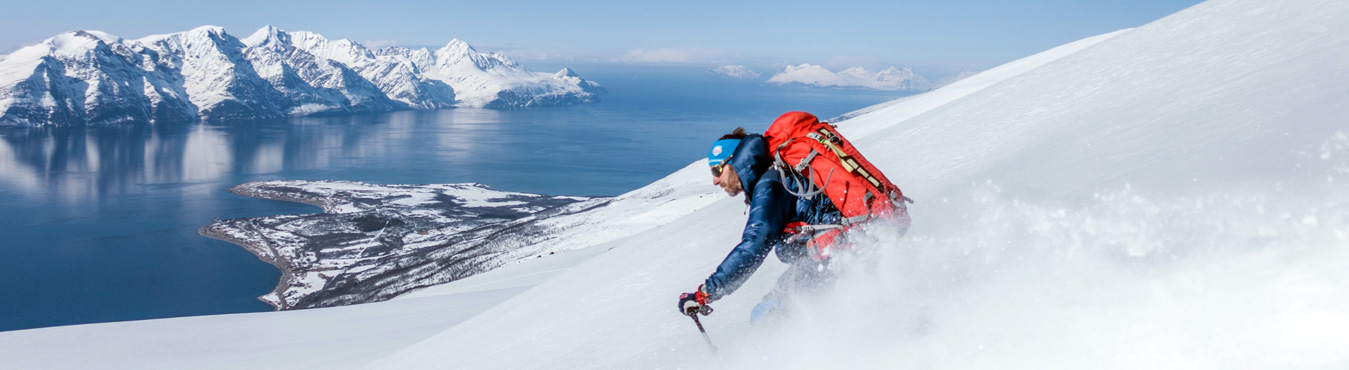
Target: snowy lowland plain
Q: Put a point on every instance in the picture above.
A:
(1169, 196)
(374, 242)
(92, 77)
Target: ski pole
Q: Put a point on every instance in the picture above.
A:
(694, 316)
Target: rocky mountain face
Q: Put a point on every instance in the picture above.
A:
(91, 77)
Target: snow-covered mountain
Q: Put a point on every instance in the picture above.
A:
(1169, 196)
(889, 79)
(321, 76)
(86, 76)
(493, 80)
(953, 78)
(90, 77)
(734, 71)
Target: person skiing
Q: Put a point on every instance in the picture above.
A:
(741, 162)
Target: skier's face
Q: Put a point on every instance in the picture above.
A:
(728, 181)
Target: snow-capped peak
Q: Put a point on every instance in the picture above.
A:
(459, 46)
(808, 74)
(344, 51)
(208, 30)
(565, 72)
(76, 42)
(268, 35)
(99, 35)
(456, 47)
(458, 55)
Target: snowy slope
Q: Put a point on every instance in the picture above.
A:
(330, 338)
(1161, 197)
(350, 336)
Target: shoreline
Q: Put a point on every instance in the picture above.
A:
(287, 275)
(248, 189)
(266, 253)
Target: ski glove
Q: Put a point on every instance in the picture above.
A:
(694, 303)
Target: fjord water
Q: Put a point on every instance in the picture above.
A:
(101, 222)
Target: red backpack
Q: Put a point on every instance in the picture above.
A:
(808, 149)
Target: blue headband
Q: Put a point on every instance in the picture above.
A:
(721, 151)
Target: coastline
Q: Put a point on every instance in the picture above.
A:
(255, 190)
(374, 242)
(267, 255)
(262, 248)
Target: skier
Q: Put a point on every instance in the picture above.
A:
(741, 162)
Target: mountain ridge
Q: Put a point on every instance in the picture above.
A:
(92, 77)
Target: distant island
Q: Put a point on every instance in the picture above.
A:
(734, 71)
(91, 77)
(890, 79)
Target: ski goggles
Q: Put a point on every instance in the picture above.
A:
(716, 170)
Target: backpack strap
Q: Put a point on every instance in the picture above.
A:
(829, 140)
(856, 219)
(805, 162)
(809, 228)
(808, 188)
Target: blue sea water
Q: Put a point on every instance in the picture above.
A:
(100, 223)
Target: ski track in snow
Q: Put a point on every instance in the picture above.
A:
(1169, 196)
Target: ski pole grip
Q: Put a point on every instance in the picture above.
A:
(704, 309)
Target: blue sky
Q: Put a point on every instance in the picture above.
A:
(948, 35)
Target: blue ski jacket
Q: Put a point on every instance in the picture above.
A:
(772, 206)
